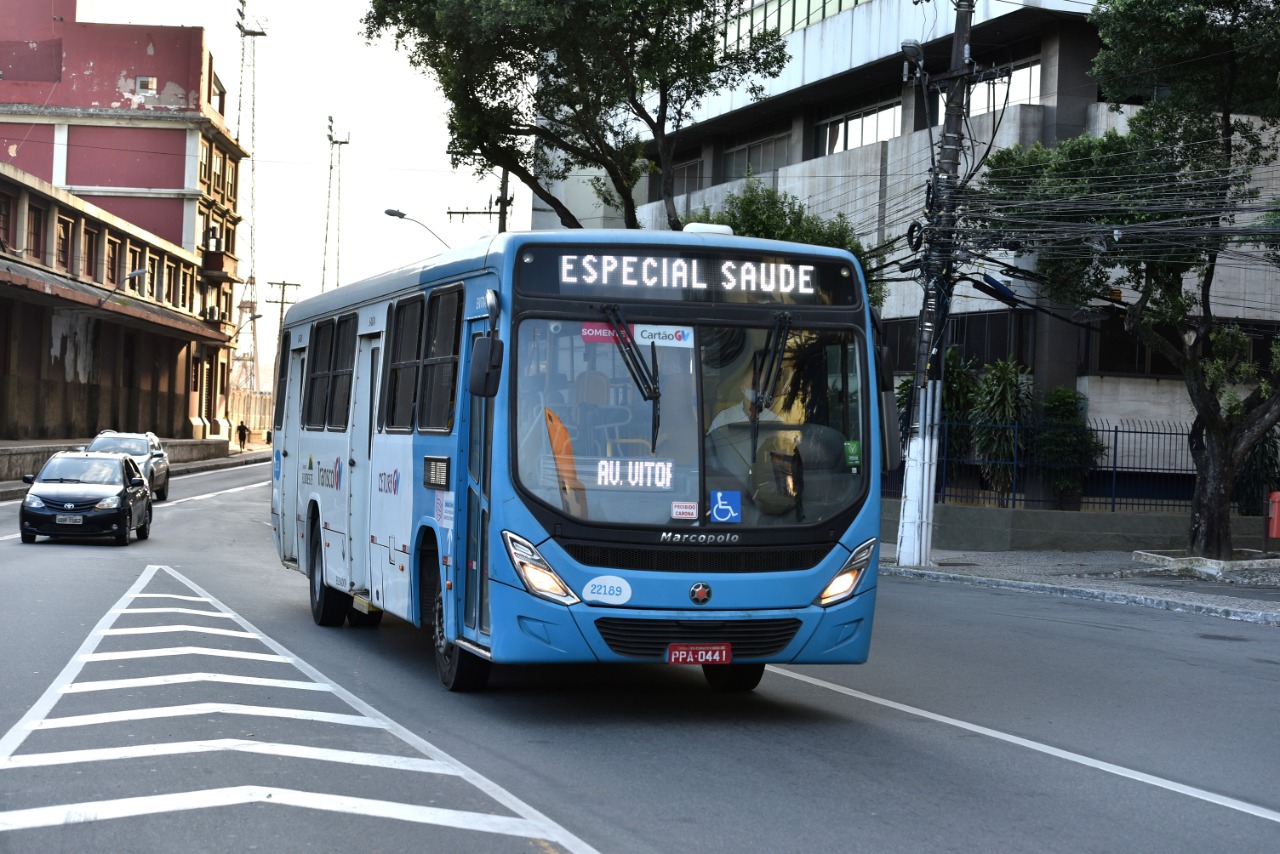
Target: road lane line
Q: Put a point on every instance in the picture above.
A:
(194, 709)
(183, 678)
(384, 761)
(56, 816)
(1078, 758)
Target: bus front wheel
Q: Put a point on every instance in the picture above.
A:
(459, 670)
(328, 606)
(733, 677)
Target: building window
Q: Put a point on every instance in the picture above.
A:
(185, 294)
(688, 177)
(147, 86)
(204, 161)
(89, 254)
(35, 234)
(153, 274)
(135, 264)
(169, 287)
(112, 266)
(6, 221)
(62, 249)
(858, 128)
(1020, 87)
(229, 238)
(219, 160)
(232, 171)
(757, 154)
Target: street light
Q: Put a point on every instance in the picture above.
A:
(401, 215)
(251, 319)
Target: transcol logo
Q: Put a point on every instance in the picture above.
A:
(331, 478)
(389, 482)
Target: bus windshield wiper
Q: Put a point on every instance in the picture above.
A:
(775, 346)
(644, 376)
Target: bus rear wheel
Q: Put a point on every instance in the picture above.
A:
(733, 677)
(328, 606)
(459, 670)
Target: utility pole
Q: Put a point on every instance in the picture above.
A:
(284, 300)
(503, 202)
(915, 528)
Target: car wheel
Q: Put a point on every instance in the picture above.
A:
(122, 535)
(328, 607)
(28, 538)
(163, 494)
(459, 670)
(732, 678)
(144, 530)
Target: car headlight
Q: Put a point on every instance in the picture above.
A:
(32, 501)
(845, 583)
(535, 572)
(108, 503)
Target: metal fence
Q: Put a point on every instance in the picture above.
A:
(1141, 466)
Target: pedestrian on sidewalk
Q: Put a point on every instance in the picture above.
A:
(242, 433)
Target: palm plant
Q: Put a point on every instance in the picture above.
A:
(1001, 405)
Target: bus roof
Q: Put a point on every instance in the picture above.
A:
(491, 253)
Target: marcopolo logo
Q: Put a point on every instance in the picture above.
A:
(331, 477)
(389, 482)
(698, 539)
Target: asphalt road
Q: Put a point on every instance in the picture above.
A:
(175, 695)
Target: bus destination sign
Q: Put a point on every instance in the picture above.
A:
(637, 273)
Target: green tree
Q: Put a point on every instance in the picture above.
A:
(760, 211)
(542, 88)
(1001, 405)
(1157, 209)
(1064, 446)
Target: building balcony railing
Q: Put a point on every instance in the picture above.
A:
(219, 266)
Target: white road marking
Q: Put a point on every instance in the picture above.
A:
(181, 678)
(132, 654)
(204, 496)
(237, 745)
(526, 822)
(56, 816)
(161, 630)
(193, 709)
(1049, 750)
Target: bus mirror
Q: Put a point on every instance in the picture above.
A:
(491, 306)
(486, 366)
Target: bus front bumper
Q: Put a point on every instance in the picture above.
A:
(544, 632)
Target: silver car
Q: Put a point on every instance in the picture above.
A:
(147, 452)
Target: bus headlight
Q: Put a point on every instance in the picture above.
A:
(535, 572)
(846, 581)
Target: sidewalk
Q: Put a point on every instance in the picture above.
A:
(1108, 576)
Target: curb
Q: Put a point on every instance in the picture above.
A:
(1264, 617)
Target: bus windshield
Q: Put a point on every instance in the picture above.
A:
(757, 426)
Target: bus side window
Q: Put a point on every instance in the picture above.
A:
(317, 401)
(439, 390)
(404, 354)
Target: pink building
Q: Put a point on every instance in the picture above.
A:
(121, 132)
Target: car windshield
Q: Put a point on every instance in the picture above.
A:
(120, 445)
(82, 470)
(766, 420)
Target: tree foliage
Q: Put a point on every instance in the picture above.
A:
(760, 211)
(543, 89)
(1160, 209)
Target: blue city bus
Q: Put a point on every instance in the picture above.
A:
(591, 446)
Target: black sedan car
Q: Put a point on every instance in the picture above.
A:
(86, 494)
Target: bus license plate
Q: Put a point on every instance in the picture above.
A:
(69, 520)
(699, 653)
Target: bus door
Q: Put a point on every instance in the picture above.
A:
(287, 442)
(473, 568)
(360, 474)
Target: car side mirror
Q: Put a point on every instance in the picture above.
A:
(28, 478)
(138, 481)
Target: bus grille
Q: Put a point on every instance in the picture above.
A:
(649, 638)
(698, 560)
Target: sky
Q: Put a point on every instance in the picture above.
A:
(313, 64)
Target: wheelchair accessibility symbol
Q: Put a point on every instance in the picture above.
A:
(726, 506)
